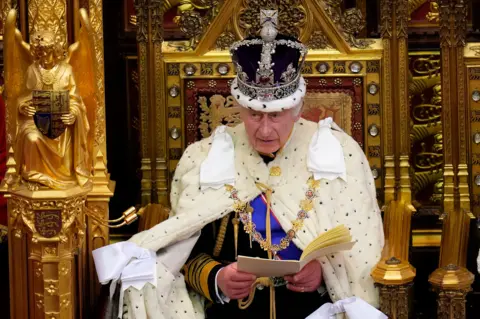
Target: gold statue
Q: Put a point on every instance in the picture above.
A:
(51, 102)
(434, 14)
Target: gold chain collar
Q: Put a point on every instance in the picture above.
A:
(245, 215)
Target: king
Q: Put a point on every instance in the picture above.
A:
(264, 188)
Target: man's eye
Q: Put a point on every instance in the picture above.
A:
(274, 116)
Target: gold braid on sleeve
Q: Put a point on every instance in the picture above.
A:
(221, 236)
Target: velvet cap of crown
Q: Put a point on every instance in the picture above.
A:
(269, 69)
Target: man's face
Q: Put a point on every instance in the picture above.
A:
(268, 132)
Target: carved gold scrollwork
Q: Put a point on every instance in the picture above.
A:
(394, 300)
(386, 18)
(48, 15)
(157, 21)
(334, 10)
(318, 40)
(193, 17)
(444, 13)
(476, 49)
(307, 69)
(428, 160)
(96, 18)
(219, 111)
(351, 22)
(225, 40)
(401, 14)
(421, 132)
(427, 113)
(460, 28)
(173, 69)
(426, 132)
(6, 6)
(452, 302)
(72, 220)
(142, 17)
(191, 23)
(428, 66)
(141, 9)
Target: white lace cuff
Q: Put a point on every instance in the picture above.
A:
(221, 298)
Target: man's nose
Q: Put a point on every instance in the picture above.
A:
(265, 126)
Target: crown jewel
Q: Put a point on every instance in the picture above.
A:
(277, 73)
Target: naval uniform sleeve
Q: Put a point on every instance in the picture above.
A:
(201, 268)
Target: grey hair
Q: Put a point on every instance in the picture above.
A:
(297, 109)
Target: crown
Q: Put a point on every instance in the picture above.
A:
(268, 67)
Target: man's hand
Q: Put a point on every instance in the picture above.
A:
(69, 119)
(233, 283)
(306, 280)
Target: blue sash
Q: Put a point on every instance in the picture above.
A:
(259, 206)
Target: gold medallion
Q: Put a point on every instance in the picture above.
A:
(48, 78)
(275, 171)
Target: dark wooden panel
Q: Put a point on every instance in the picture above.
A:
(121, 106)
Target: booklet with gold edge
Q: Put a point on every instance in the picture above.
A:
(335, 240)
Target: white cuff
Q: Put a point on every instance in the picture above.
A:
(125, 260)
(220, 296)
(354, 308)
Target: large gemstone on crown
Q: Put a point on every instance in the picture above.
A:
(264, 79)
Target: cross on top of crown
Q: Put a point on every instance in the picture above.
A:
(269, 16)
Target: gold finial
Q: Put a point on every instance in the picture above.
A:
(11, 177)
(100, 169)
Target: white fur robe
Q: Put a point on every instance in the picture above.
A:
(352, 203)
